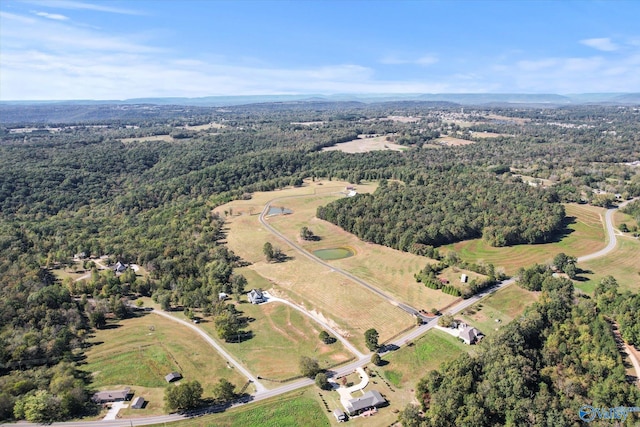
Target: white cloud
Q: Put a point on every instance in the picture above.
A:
(423, 60)
(78, 5)
(604, 44)
(54, 16)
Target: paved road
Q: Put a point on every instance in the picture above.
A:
(343, 340)
(609, 231)
(333, 268)
(218, 347)
(263, 393)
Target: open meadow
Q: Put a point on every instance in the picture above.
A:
(409, 364)
(623, 264)
(364, 145)
(499, 309)
(584, 235)
(390, 270)
(280, 335)
(298, 408)
(302, 281)
(138, 353)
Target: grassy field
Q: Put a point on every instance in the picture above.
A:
(299, 408)
(364, 145)
(623, 264)
(303, 281)
(409, 364)
(586, 236)
(619, 218)
(281, 335)
(504, 305)
(140, 351)
(388, 269)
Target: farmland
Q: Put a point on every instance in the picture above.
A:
(366, 144)
(280, 335)
(301, 280)
(290, 410)
(138, 352)
(584, 235)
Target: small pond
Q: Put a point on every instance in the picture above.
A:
(277, 210)
(333, 253)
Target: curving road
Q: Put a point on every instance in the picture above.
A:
(218, 347)
(609, 231)
(262, 393)
(344, 273)
(343, 340)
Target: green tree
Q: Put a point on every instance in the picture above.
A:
(322, 382)
(445, 321)
(376, 359)
(371, 339)
(306, 234)
(224, 391)
(238, 283)
(40, 407)
(309, 367)
(267, 249)
(227, 325)
(325, 337)
(410, 416)
(184, 396)
(97, 319)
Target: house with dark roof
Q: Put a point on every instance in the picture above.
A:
(109, 396)
(371, 399)
(256, 296)
(173, 376)
(119, 267)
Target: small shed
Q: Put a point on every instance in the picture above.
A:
(340, 416)
(464, 278)
(173, 376)
(137, 403)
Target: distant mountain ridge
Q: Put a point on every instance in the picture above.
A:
(458, 98)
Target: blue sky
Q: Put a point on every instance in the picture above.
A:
(69, 49)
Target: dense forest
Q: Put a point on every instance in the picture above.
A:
(537, 371)
(138, 183)
(446, 206)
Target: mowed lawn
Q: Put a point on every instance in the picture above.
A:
(140, 351)
(389, 270)
(302, 281)
(281, 335)
(410, 363)
(299, 408)
(586, 236)
(623, 264)
(503, 306)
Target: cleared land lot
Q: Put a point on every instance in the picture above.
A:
(281, 335)
(299, 408)
(585, 235)
(303, 281)
(623, 264)
(505, 305)
(364, 145)
(165, 138)
(451, 141)
(140, 351)
(409, 364)
(388, 269)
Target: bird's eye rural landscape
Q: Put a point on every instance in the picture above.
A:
(317, 213)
